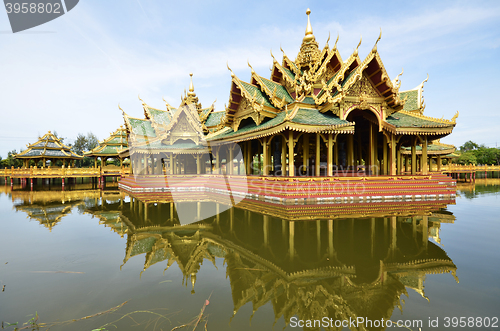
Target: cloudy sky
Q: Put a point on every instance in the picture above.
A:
(70, 74)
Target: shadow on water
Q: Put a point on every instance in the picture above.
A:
(308, 262)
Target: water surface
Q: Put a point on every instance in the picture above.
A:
(66, 255)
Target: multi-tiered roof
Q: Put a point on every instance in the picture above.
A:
(316, 93)
(48, 147)
(318, 90)
(111, 146)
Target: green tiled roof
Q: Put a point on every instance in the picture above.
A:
(159, 116)
(308, 100)
(315, 117)
(401, 120)
(214, 119)
(289, 73)
(254, 127)
(205, 111)
(142, 127)
(260, 97)
(303, 116)
(108, 150)
(280, 89)
(430, 147)
(412, 101)
(178, 145)
(117, 140)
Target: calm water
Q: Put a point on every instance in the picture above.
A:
(78, 253)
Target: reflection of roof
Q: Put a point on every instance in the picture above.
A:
(309, 286)
(48, 146)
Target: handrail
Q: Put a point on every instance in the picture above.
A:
(63, 172)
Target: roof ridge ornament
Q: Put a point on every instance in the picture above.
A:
(359, 44)
(336, 41)
(248, 62)
(143, 103)
(374, 50)
(191, 86)
(309, 31)
(232, 73)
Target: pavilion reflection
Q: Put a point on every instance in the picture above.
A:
(309, 261)
(341, 268)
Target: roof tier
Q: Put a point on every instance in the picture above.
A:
(48, 147)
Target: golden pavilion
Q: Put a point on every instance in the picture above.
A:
(48, 147)
(317, 115)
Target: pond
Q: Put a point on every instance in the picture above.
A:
(87, 259)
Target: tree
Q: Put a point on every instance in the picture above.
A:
(469, 146)
(10, 161)
(467, 158)
(84, 144)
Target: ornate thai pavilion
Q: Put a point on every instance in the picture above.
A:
(110, 147)
(315, 116)
(48, 147)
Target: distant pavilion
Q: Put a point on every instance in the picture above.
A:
(50, 148)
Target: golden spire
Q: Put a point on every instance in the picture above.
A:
(191, 86)
(309, 54)
(309, 31)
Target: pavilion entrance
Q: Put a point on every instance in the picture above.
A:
(366, 150)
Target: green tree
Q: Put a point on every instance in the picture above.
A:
(10, 161)
(82, 144)
(467, 158)
(469, 146)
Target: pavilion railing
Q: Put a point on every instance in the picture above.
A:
(64, 172)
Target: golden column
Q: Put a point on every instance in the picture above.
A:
(291, 165)
(399, 158)
(265, 152)
(414, 156)
(317, 160)
(393, 156)
(385, 168)
(425, 168)
(439, 163)
(305, 152)
(350, 150)
(330, 155)
(283, 155)
(198, 164)
(248, 158)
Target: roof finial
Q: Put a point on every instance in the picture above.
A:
(327, 46)
(232, 73)
(378, 39)
(336, 41)
(191, 86)
(356, 50)
(309, 31)
(248, 62)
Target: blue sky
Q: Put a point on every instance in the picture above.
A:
(69, 75)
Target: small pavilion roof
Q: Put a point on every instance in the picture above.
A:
(436, 148)
(111, 146)
(49, 147)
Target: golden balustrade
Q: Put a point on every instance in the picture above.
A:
(64, 172)
(456, 168)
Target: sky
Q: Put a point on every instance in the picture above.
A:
(70, 74)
